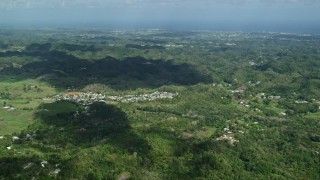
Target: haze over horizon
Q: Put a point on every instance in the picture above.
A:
(231, 15)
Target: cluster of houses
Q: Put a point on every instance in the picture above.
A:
(9, 108)
(228, 137)
(237, 91)
(264, 96)
(230, 44)
(81, 98)
(43, 164)
(301, 102)
(143, 97)
(89, 97)
(174, 45)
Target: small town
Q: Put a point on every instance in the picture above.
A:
(143, 97)
(81, 98)
(90, 97)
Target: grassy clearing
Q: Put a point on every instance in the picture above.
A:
(23, 96)
(26, 89)
(313, 116)
(14, 121)
(205, 132)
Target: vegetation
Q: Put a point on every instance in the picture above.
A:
(241, 105)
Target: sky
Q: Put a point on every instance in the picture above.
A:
(231, 15)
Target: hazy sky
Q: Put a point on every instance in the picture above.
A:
(251, 15)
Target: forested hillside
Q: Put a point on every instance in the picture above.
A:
(155, 104)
